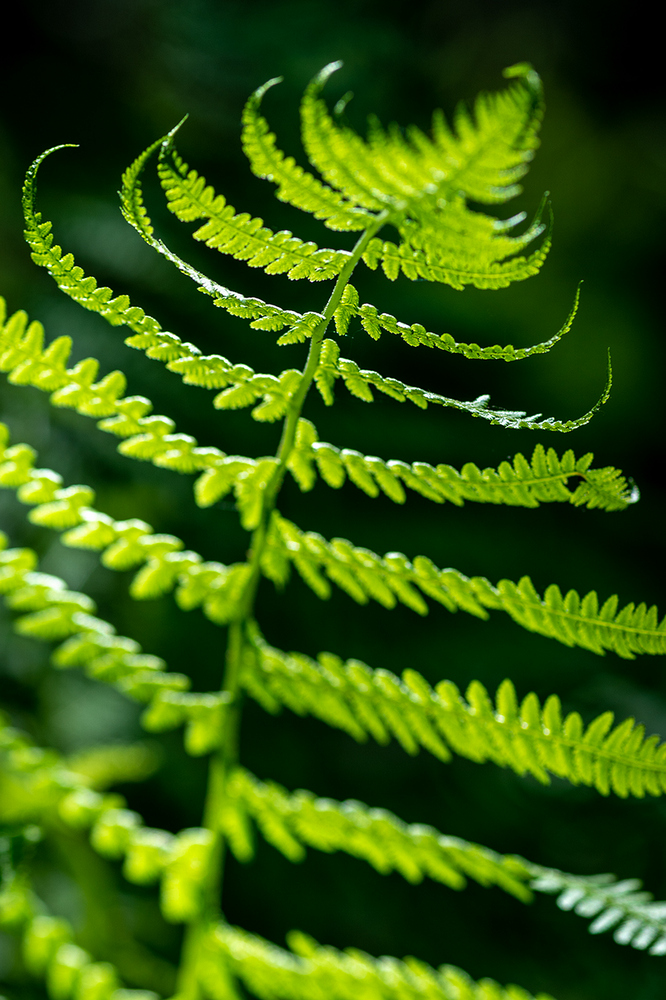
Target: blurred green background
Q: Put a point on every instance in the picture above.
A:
(112, 75)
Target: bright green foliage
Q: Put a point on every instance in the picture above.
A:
(358, 382)
(392, 578)
(375, 835)
(383, 840)
(361, 573)
(51, 612)
(428, 189)
(310, 971)
(544, 479)
(295, 185)
(527, 738)
(245, 238)
(423, 185)
(416, 335)
(39, 786)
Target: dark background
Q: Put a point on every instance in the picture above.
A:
(112, 76)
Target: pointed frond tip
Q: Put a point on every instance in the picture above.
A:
(416, 335)
(359, 382)
(310, 971)
(424, 185)
(148, 334)
(364, 576)
(525, 737)
(295, 185)
(522, 483)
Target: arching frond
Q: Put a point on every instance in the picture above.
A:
(295, 185)
(148, 336)
(424, 184)
(150, 438)
(543, 479)
(416, 335)
(190, 198)
(484, 158)
(359, 381)
(364, 575)
(638, 920)
(374, 835)
(456, 265)
(70, 278)
(527, 738)
(310, 971)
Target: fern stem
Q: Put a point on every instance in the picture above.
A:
(222, 765)
(287, 439)
(226, 759)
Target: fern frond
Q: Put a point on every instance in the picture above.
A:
(374, 835)
(527, 738)
(52, 613)
(424, 184)
(148, 335)
(638, 920)
(295, 185)
(522, 483)
(484, 160)
(38, 787)
(126, 544)
(359, 381)
(416, 335)
(310, 971)
(190, 199)
(361, 573)
(49, 950)
(263, 315)
(70, 278)
(459, 265)
(288, 821)
(146, 438)
(242, 385)
(570, 619)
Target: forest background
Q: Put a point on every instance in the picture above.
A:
(112, 75)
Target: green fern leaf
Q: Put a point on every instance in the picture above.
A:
(374, 835)
(526, 738)
(424, 185)
(633, 915)
(525, 484)
(309, 971)
(364, 575)
(415, 335)
(245, 238)
(358, 382)
(295, 185)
